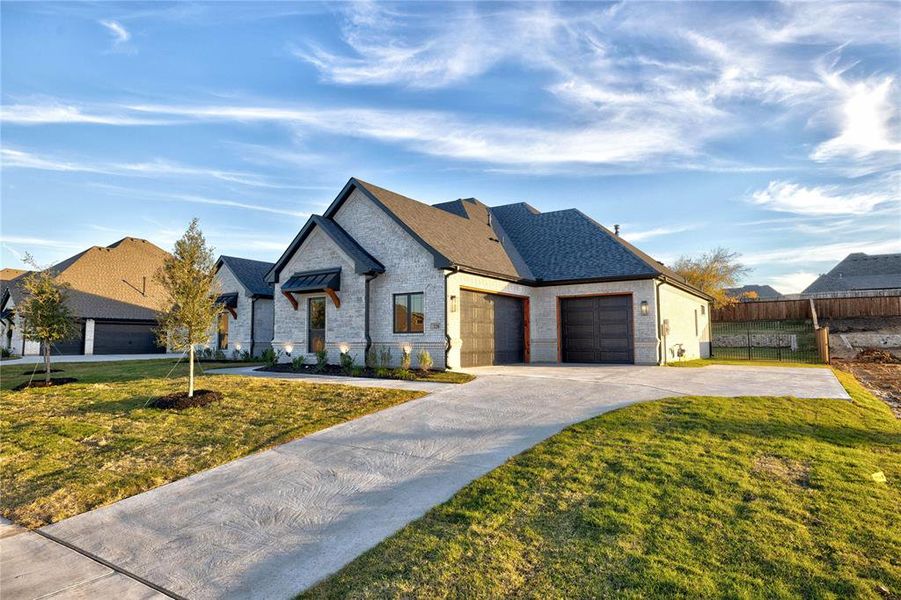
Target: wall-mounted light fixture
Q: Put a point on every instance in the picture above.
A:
(644, 308)
(453, 304)
(343, 347)
(238, 347)
(289, 349)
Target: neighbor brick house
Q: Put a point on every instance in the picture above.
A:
(859, 272)
(477, 285)
(246, 320)
(112, 295)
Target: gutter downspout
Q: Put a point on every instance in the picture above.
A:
(661, 336)
(253, 305)
(368, 338)
(447, 337)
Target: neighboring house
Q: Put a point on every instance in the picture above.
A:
(246, 321)
(748, 293)
(113, 296)
(860, 272)
(478, 285)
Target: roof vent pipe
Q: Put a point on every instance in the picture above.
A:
(616, 229)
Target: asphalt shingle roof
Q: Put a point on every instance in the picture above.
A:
(251, 274)
(762, 291)
(859, 271)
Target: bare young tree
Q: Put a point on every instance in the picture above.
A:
(189, 277)
(713, 272)
(46, 317)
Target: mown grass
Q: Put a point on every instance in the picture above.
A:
(703, 362)
(693, 497)
(72, 448)
(100, 372)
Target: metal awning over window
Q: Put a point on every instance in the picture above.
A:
(313, 281)
(228, 300)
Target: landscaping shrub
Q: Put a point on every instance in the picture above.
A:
(347, 363)
(206, 354)
(383, 372)
(425, 361)
(5, 353)
(405, 357)
(321, 360)
(219, 355)
(298, 361)
(384, 358)
(357, 372)
(403, 374)
(270, 357)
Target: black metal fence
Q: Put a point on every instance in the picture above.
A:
(784, 341)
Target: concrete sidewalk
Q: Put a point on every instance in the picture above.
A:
(32, 566)
(271, 524)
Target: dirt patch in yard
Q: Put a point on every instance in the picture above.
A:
(880, 372)
(39, 384)
(181, 400)
(783, 468)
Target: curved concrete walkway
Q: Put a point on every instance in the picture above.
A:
(272, 524)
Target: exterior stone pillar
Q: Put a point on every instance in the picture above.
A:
(89, 336)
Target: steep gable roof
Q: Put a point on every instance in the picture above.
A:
(363, 261)
(859, 271)
(250, 273)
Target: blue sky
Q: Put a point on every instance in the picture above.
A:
(771, 129)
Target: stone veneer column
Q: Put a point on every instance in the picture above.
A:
(89, 336)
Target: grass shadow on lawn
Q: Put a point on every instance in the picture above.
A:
(684, 497)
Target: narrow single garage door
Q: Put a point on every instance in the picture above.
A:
(125, 338)
(492, 329)
(597, 329)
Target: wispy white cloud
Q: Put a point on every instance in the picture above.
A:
(790, 197)
(48, 113)
(28, 241)
(792, 283)
(641, 235)
(118, 31)
(11, 158)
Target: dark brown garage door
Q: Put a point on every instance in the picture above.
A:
(492, 329)
(125, 338)
(597, 329)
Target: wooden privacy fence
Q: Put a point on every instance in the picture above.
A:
(820, 308)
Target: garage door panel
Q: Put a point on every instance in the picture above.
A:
(597, 329)
(125, 338)
(492, 329)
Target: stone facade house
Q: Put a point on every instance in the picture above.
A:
(246, 321)
(859, 272)
(477, 285)
(112, 294)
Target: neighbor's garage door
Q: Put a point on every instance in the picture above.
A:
(125, 338)
(492, 329)
(597, 329)
(74, 345)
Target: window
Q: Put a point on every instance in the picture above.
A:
(315, 324)
(222, 330)
(408, 315)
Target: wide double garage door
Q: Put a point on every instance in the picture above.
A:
(111, 337)
(492, 328)
(596, 329)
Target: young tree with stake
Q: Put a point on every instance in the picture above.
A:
(46, 317)
(189, 276)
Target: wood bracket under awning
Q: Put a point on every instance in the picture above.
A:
(327, 281)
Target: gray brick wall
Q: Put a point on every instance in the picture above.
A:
(239, 329)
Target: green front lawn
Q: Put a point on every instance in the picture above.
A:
(72, 448)
(101, 372)
(685, 497)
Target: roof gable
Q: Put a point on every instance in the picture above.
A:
(363, 261)
(249, 273)
(859, 271)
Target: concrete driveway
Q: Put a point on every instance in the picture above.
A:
(272, 524)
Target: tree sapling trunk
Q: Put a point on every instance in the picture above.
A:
(191, 373)
(47, 362)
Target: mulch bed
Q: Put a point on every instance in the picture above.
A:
(311, 369)
(180, 400)
(39, 384)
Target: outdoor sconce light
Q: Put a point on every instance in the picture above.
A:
(288, 349)
(453, 304)
(644, 308)
(343, 348)
(237, 346)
